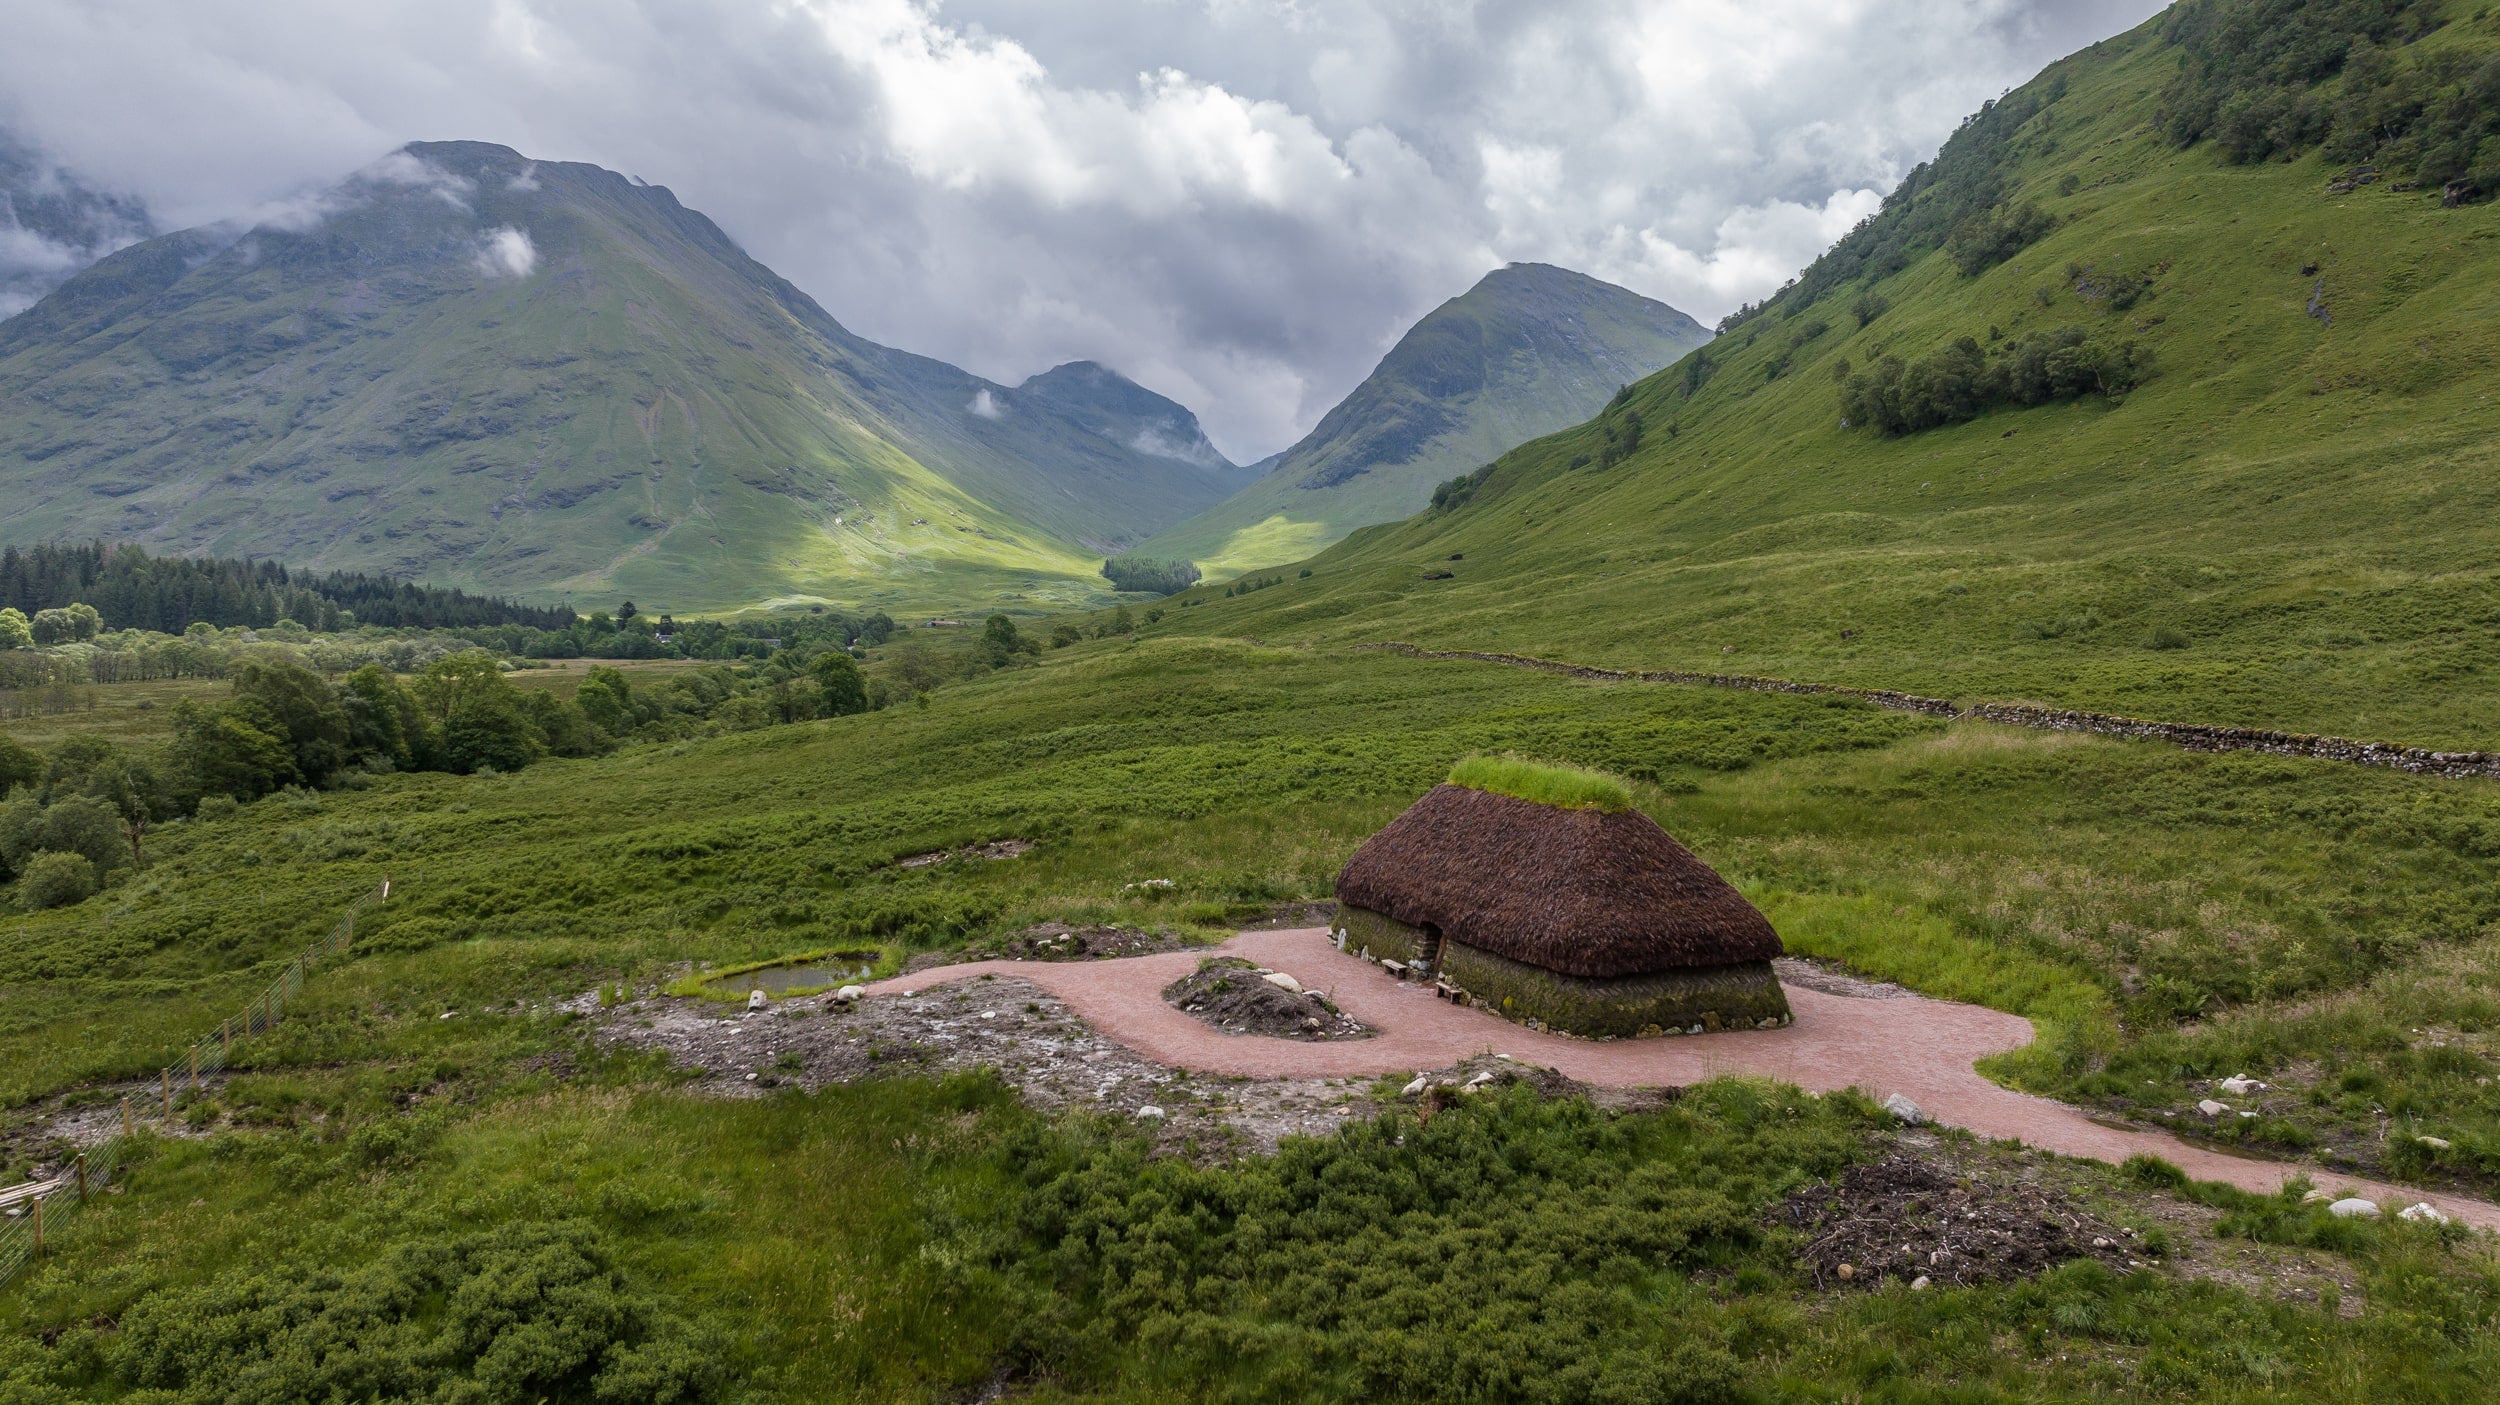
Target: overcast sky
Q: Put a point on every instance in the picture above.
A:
(1240, 203)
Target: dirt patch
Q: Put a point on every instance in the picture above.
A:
(1057, 941)
(1909, 1217)
(1286, 916)
(1237, 997)
(1831, 978)
(1037, 1045)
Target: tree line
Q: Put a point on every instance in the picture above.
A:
(286, 727)
(168, 594)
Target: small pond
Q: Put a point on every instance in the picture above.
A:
(816, 973)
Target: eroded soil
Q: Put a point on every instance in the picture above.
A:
(1049, 1056)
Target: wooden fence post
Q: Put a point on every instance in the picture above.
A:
(126, 1127)
(39, 1226)
(195, 1066)
(81, 1164)
(225, 1035)
(165, 1081)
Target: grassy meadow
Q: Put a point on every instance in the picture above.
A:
(2164, 917)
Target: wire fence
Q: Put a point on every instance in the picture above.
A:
(32, 1215)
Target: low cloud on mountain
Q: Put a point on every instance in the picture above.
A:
(1240, 203)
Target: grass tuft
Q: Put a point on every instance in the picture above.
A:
(1569, 787)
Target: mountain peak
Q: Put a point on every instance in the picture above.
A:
(1121, 410)
(1529, 349)
(52, 225)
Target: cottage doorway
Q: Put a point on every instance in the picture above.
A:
(1428, 959)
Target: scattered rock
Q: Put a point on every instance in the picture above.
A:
(999, 849)
(2434, 1143)
(1421, 1082)
(2424, 1211)
(2211, 1108)
(1918, 1284)
(757, 1000)
(2353, 1207)
(2241, 1086)
(1238, 998)
(849, 993)
(2316, 1197)
(1896, 1104)
(1150, 1113)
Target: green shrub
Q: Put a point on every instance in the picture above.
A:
(529, 1311)
(1571, 787)
(1961, 381)
(218, 807)
(54, 879)
(2165, 637)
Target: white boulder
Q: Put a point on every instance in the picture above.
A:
(2422, 1210)
(1282, 981)
(1150, 1113)
(2241, 1085)
(2351, 1207)
(2212, 1109)
(1421, 1082)
(850, 992)
(2434, 1143)
(1904, 1109)
(757, 1000)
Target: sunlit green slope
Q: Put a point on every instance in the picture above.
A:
(1530, 349)
(2291, 522)
(542, 378)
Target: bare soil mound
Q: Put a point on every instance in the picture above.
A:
(1236, 997)
(1907, 1218)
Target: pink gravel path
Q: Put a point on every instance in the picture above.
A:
(1922, 1049)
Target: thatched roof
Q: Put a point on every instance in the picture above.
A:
(1582, 892)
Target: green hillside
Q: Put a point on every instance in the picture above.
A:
(1529, 350)
(2288, 522)
(541, 378)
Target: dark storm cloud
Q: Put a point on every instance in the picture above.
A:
(1238, 202)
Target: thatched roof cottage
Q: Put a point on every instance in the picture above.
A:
(1582, 917)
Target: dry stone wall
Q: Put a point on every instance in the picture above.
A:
(2192, 736)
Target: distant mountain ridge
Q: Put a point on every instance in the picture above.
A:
(52, 226)
(465, 366)
(1529, 350)
(1125, 412)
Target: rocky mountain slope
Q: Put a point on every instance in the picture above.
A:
(1529, 350)
(541, 378)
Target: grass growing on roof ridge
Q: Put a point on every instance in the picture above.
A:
(1568, 787)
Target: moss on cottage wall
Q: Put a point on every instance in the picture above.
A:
(1713, 997)
(1385, 938)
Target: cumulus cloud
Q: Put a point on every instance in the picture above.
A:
(1240, 203)
(507, 253)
